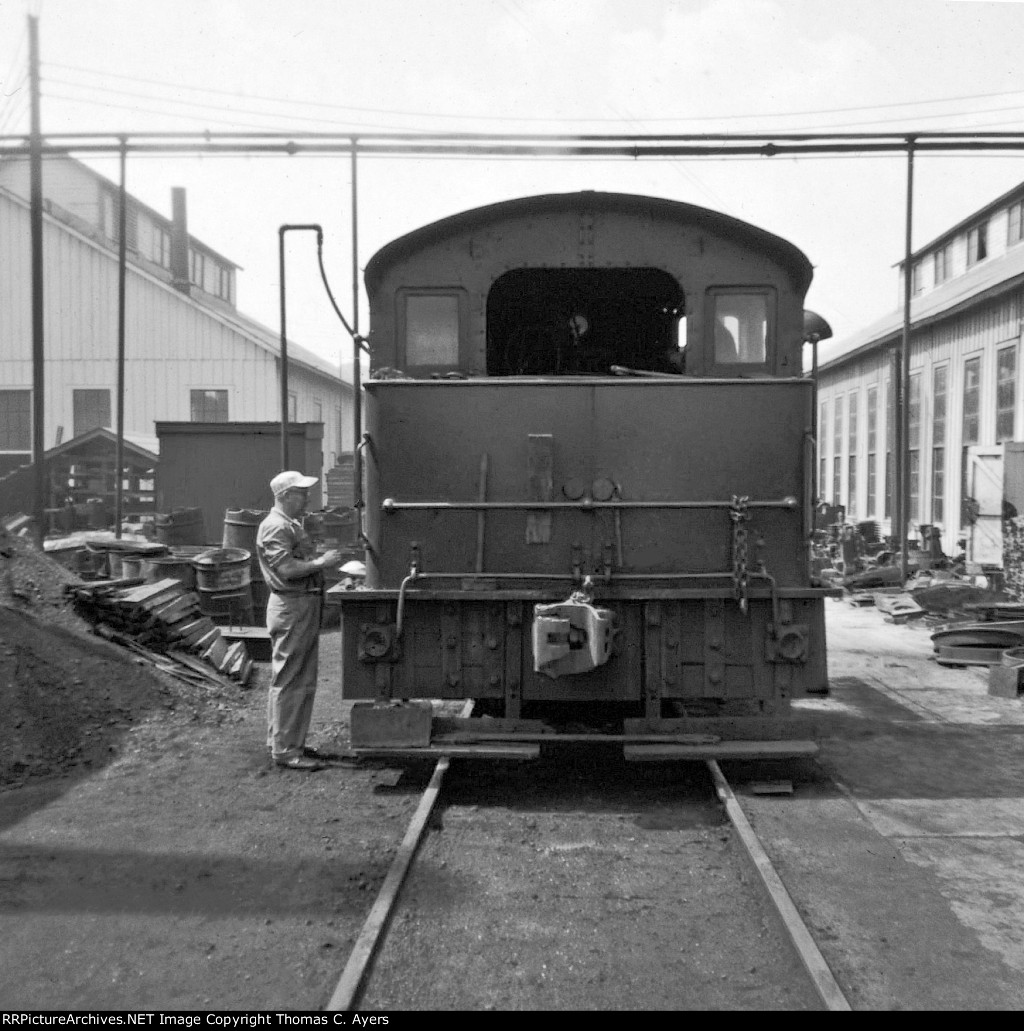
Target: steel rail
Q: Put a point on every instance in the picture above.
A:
(360, 962)
(810, 955)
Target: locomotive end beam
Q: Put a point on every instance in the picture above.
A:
(390, 505)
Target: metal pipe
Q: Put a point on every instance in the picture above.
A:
(903, 464)
(76, 143)
(39, 490)
(389, 505)
(284, 334)
(357, 358)
(122, 264)
(283, 375)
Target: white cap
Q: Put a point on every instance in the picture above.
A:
(354, 568)
(289, 480)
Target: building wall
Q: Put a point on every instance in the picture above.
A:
(979, 334)
(173, 344)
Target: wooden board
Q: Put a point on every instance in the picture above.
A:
(721, 750)
(481, 751)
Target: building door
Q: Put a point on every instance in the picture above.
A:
(985, 487)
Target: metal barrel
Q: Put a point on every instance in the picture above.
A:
(182, 526)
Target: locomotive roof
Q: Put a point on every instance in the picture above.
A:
(787, 255)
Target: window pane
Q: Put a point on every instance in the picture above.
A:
(1006, 392)
(209, 406)
(741, 328)
(432, 330)
(938, 484)
(90, 408)
(914, 412)
(939, 406)
(972, 386)
(15, 420)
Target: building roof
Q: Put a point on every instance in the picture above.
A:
(985, 280)
(132, 449)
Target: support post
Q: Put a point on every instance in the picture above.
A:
(39, 481)
(122, 263)
(903, 438)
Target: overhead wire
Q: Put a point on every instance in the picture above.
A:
(962, 98)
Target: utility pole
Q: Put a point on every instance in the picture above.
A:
(122, 260)
(36, 223)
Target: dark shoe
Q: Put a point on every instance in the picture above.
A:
(315, 753)
(299, 762)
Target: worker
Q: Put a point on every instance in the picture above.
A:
(294, 575)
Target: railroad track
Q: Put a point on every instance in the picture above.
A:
(574, 855)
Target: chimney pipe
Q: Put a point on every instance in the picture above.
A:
(179, 241)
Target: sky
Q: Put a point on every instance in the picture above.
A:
(529, 66)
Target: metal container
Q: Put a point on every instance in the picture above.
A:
(182, 526)
(240, 527)
(174, 567)
(223, 569)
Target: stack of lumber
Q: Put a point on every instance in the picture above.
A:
(162, 622)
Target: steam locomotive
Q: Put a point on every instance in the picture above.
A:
(588, 460)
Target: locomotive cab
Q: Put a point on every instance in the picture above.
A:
(587, 480)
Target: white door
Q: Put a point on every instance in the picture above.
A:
(985, 486)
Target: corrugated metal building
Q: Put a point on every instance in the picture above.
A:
(964, 397)
(189, 354)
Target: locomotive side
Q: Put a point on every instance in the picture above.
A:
(588, 458)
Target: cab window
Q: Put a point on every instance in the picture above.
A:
(740, 323)
(431, 329)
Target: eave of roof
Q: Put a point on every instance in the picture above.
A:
(786, 253)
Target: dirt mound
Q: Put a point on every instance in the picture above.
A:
(68, 697)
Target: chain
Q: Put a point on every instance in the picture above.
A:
(739, 515)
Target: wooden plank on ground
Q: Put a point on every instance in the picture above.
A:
(721, 750)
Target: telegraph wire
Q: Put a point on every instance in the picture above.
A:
(195, 104)
(963, 98)
(234, 123)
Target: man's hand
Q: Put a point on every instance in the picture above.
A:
(330, 558)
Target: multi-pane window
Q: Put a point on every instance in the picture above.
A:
(224, 283)
(971, 419)
(90, 408)
(977, 243)
(851, 458)
(1015, 223)
(162, 247)
(917, 278)
(293, 406)
(872, 450)
(890, 409)
(15, 420)
(914, 447)
(940, 387)
(1006, 392)
(209, 405)
(837, 452)
(197, 268)
(942, 264)
(822, 450)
